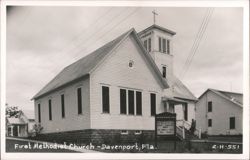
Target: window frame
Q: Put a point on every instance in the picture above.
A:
(79, 101)
(168, 46)
(209, 122)
(121, 107)
(149, 45)
(131, 102)
(105, 109)
(159, 44)
(39, 112)
(164, 71)
(232, 126)
(50, 109)
(186, 111)
(152, 104)
(63, 105)
(138, 94)
(164, 45)
(209, 106)
(145, 44)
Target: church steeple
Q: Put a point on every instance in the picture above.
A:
(154, 14)
(158, 41)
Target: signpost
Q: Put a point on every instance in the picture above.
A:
(165, 127)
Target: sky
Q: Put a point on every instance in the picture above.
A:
(41, 41)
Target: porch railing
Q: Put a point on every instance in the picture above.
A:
(181, 125)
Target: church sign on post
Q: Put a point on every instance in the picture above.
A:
(165, 126)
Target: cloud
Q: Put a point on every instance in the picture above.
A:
(41, 41)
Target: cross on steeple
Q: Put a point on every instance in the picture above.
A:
(155, 14)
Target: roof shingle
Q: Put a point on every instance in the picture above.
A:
(83, 67)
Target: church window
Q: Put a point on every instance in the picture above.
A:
(146, 44)
(39, 113)
(164, 71)
(159, 41)
(153, 103)
(62, 106)
(168, 46)
(209, 122)
(79, 100)
(232, 122)
(210, 106)
(131, 99)
(131, 102)
(105, 99)
(131, 63)
(164, 45)
(50, 110)
(185, 112)
(123, 101)
(138, 103)
(149, 44)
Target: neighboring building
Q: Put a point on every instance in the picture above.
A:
(219, 112)
(116, 89)
(19, 126)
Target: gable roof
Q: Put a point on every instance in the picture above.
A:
(236, 98)
(14, 120)
(154, 26)
(85, 65)
(179, 90)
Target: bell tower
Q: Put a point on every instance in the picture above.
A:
(158, 42)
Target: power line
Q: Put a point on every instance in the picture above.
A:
(91, 25)
(104, 26)
(114, 26)
(197, 41)
(87, 39)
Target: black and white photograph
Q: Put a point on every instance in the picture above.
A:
(142, 79)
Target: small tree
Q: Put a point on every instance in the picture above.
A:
(12, 111)
(37, 129)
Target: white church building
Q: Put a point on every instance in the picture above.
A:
(116, 90)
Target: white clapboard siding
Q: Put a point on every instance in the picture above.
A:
(72, 120)
(116, 73)
(222, 110)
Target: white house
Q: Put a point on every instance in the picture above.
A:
(219, 112)
(117, 89)
(19, 126)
